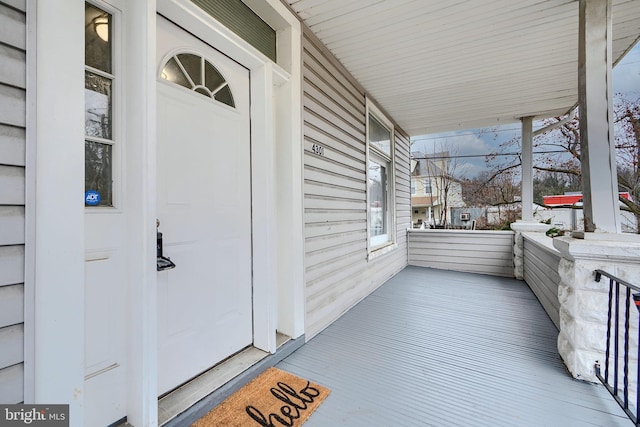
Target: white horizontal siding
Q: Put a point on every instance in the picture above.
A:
(324, 64)
(12, 145)
(12, 26)
(326, 248)
(11, 305)
(331, 125)
(319, 94)
(13, 72)
(541, 262)
(11, 265)
(485, 252)
(338, 273)
(12, 344)
(11, 225)
(11, 185)
(11, 384)
(317, 174)
(328, 229)
(402, 187)
(12, 197)
(12, 106)
(16, 4)
(321, 136)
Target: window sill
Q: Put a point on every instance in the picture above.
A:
(382, 250)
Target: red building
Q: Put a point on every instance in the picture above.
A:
(570, 199)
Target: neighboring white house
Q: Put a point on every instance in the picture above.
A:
(433, 190)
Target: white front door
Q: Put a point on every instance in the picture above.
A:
(203, 205)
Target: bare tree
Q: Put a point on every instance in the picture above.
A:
(627, 124)
(441, 170)
(558, 151)
(498, 194)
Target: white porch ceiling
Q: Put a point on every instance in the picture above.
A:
(442, 65)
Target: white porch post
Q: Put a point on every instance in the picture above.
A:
(599, 177)
(527, 223)
(583, 302)
(527, 169)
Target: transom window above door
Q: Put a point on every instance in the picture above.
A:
(199, 75)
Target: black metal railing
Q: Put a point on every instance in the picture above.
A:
(611, 379)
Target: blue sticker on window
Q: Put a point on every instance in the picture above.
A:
(91, 198)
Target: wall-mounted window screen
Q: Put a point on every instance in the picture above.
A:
(199, 75)
(379, 182)
(98, 99)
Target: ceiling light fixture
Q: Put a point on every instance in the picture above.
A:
(101, 26)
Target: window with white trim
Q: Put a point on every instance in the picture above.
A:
(380, 173)
(99, 82)
(427, 186)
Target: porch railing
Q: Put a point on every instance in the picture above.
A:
(614, 354)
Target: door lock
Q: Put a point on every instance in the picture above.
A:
(163, 262)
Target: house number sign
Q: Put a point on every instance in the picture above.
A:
(317, 149)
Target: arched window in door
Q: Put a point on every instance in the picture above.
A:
(196, 73)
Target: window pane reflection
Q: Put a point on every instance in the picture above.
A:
(377, 198)
(98, 171)
(212, 78)
(98, 36)
(379, 135)
(173, 73)
(224, 95)
(193, 66)
(97, 102)
(211, 84)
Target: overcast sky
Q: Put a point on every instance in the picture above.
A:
(479, 142)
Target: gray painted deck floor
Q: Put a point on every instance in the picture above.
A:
(441, 348)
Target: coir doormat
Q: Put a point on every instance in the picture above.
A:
(275, 398)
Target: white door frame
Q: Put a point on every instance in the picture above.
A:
(264, 75)
(276, 168)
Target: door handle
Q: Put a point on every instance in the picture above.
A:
(163, 262)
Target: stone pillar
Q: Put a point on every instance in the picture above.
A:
(584, 302)
(598, 162)
(520, 227)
